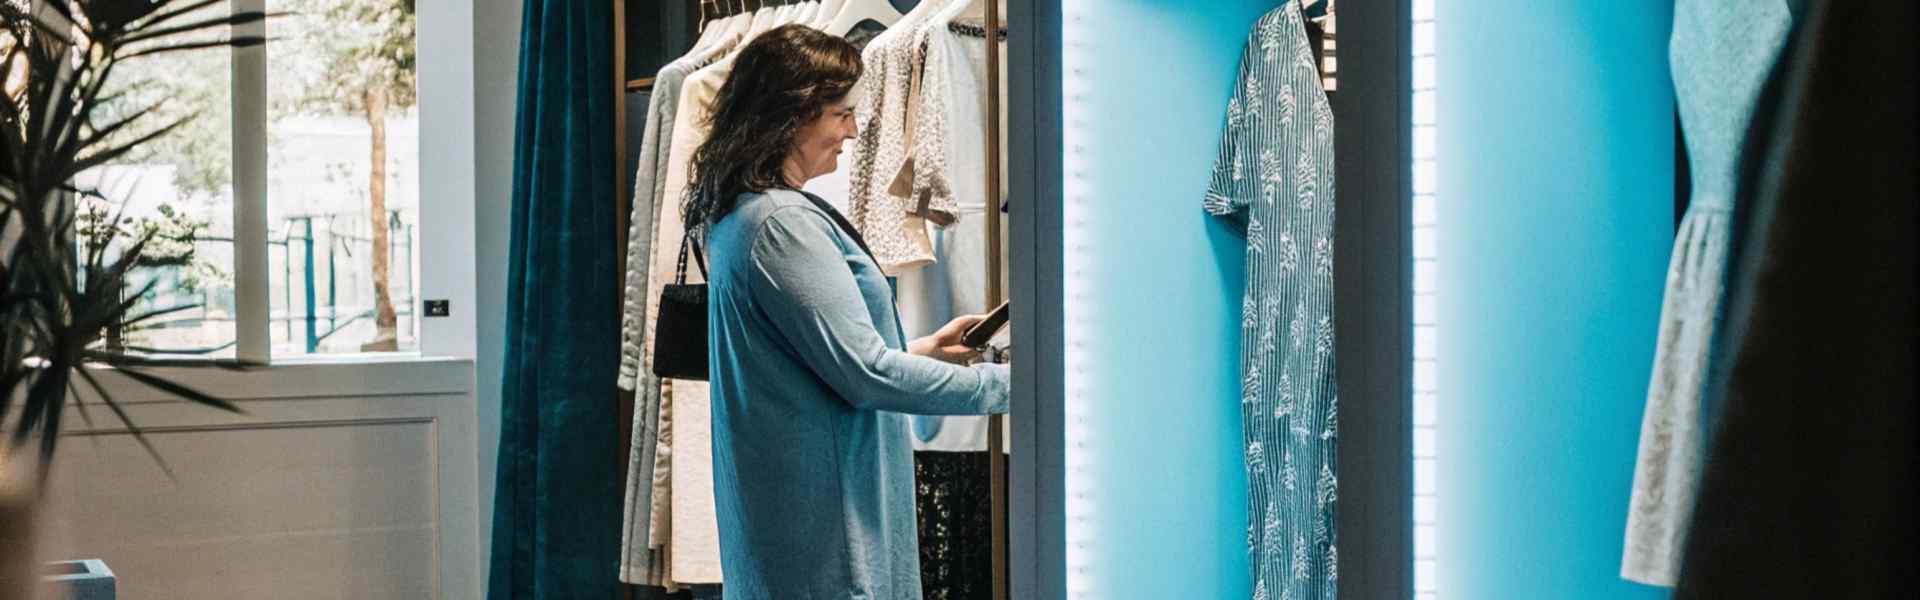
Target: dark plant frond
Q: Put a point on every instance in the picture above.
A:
(73, 393)
(68, 275)
(102, 133)
(235, 42)
(162, 16)
(133, 429)
(45, 394)
(114, 152)
(31, 22)
(181, 390)
(232, 20)
(136, 320)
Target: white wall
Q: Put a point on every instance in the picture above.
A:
(339, 481)
(496, 56)
(345, 479)
(445, 46)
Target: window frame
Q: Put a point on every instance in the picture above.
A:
(445, 100)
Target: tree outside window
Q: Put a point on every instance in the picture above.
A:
(342, 189)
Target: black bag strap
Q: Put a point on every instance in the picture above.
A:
(688, 243)
(680, 271)
(845, 225)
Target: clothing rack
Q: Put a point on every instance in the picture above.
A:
(712, 10)
(709, 11)
(996, 293)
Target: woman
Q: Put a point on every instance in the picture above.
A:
(812, 379)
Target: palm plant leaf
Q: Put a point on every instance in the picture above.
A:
(236, 42)
(202, 25)
(184, 391)
(158, 17)
(56, 301)
(139, 435)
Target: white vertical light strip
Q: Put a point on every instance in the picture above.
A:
(1426, 327)
(1081, 509)
(252, 308)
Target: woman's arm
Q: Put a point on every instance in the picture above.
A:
(803, 284)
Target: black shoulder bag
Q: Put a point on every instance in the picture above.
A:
(680, 328)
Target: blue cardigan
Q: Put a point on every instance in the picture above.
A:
(811, 385)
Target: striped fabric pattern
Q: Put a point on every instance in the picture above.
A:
(1274, 177)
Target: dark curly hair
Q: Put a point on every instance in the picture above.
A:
(781, 81)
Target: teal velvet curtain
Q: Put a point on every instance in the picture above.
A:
(556, 517)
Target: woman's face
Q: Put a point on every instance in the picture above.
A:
(816, 149)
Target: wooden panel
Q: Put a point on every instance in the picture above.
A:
(305, 379)
(324, 509)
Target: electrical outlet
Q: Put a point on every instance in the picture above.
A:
(438, 308)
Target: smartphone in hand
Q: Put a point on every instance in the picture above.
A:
(983, 332)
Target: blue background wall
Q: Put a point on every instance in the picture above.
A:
(1162, 312)
(1556, 185)
(1556, 201)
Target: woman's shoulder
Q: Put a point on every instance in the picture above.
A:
(780, 197)
(755, 211)
(768, 203)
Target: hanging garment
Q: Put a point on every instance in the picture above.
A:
(684, 525)
(1810, 480)
(950, 135)
(882, 147)
(956, 284)
(649, 184)
(954, 491)
(555, 504)
(1275, 178)
(811, 391)
(953, 486)
(693, 534)
(948, 127)
(1722, 51)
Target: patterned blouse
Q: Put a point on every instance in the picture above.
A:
(1275, 177)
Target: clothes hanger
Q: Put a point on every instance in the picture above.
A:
(732, 21)
(726, 31)
(824, 17)
(855, 12)
(708, 31)
(741, 22)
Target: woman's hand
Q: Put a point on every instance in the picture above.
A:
(949, 344)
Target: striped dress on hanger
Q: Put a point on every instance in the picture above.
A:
(1274, 178)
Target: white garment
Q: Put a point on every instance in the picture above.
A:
(647, 473)
(687, 519)
(950, 169)
(955, 284)
(1721, 54)
(882, 148)
(949, 130)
